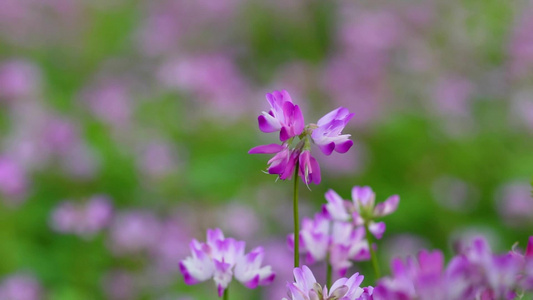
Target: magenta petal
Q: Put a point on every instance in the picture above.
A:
(377, 229)
(344, 146)
(267, 124)
(187, 277)
(253, 283)
(316, 171)
(298, 121)
(327, 148)
(387, 207)
(529, 249)
(266, 149)
(284, 134)
(220, 290)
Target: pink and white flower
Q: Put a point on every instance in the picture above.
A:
(306, 287)
(220, 258)
(283, 116)
(328, 135)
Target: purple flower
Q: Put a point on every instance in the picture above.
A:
(221, 258)
(85, 219)
(309, 168)
(20, 287)
(13, 182)
(283, 116)
(283, 163)
(306, 287)
(286, 117)
(134, 231)
(362, 209)
(341, 242)
(328, 135)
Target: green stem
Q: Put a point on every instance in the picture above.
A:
(328, 275)
(373, 256)
(225, 297)
(296, 218)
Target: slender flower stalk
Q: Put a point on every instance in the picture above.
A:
(329, 274)
(296, 219)
(373, 256)
(226, 297)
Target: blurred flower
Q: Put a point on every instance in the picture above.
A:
(85, 219)
(305, 287)
(455, 194)
(339, 242)
(515, 204)
(18, 79)
(20, 287)
(134, 231)
(120, 285)
(221, 258)
(520, 47)
(402, 245)
(212, 80)
(522, 109)
(240, 220)
(452, 95)
(110, 101)
(157, 159)
(363, 210)
(13, 181)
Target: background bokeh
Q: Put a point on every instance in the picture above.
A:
(125, 126)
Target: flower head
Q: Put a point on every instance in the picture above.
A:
(221, 258)
(328, 135)
(283, 116)
(286, 117)
(362, 209)
(306, 287)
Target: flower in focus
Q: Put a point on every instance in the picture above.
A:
(328, 135)
(283, 116)
(286, 117)
(220, 258)
(306, 287)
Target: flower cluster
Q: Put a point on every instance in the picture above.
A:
(475, 273)
(286, 117)
(307, 288)
(220, 258)
(338, 232)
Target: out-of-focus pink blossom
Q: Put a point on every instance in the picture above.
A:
(13, 181)
(520, 48)
(120, 285)
(455, 194)
(85, 219)
(111, 102)
(522, 109)
(18, 79)
(452, 95)
(221, 258)
(240, 220)
(20, 287)
(134, 231)
(213, 81)
(515, 204)
(157, 159)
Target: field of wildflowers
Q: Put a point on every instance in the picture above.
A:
(395, 140)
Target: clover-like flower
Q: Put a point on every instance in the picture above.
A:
(222, 258)
(306, 287)
(286, 117)
(362, 209)
(328, 135)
